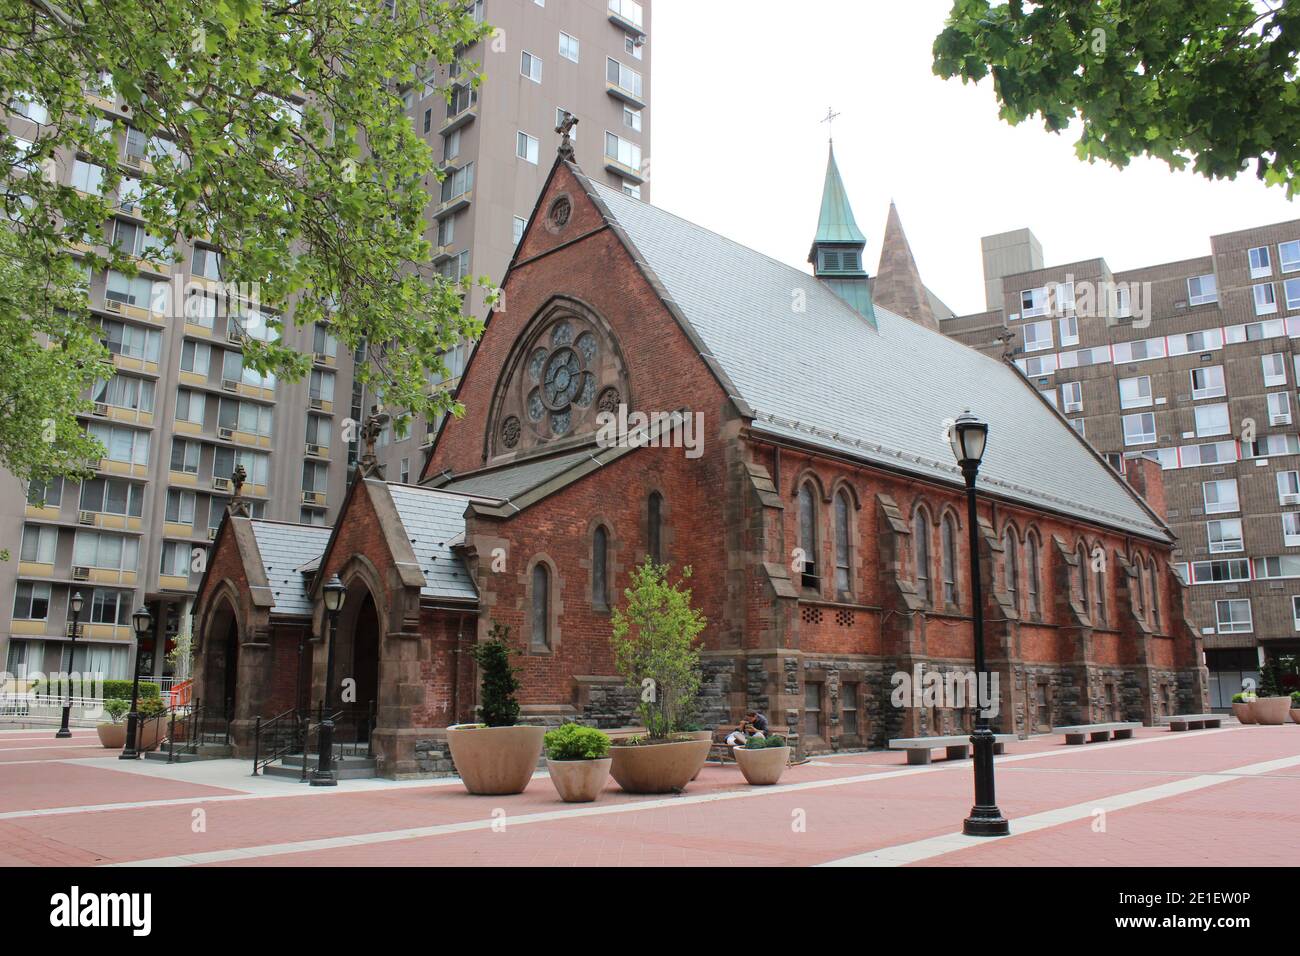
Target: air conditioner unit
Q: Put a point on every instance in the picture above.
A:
(132, 165)
(315, 450)
(101, 409)
(80, 573)
(212, 534)
(1279, 419)
(1290, 499)
(233, 334)
(321, 358)
(229, 385)
(310, 498)
(85, 517)
(112, 305)
(227, 434)
(316, 403)
(222, 484)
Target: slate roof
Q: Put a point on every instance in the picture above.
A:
(284, 548)
(512, 481)
(825, 377)
(434, 520)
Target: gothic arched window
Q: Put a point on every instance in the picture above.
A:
(949, 558)
(843, 546)
(1033, 583)
(541, 637)
(921, 553)
(1012, 559)
(655, 527)
(599, 567)
(808, 534)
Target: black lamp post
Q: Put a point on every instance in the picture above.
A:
(141, 620)
(64, 731)
(968, 436)
(334, 593)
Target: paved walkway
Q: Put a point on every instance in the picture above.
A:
(1197, 798)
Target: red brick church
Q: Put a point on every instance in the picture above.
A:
(821, 435)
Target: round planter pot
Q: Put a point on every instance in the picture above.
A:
(1270, 710)
(112, 736)
(495, 760)
(1242, 712)
(701, 735)
(658, 768)
(1295, 715)
(579, 781)
(762, 768)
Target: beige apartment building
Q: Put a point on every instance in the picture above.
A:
(181, 412)
(1195, 364)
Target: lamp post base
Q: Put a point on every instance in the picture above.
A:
(985, 822)
(63, 733)
(132, 729)
(323, 778)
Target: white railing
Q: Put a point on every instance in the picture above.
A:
(50, 707)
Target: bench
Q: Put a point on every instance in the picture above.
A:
(1192, 721)
(957, 746)
(1121, 730)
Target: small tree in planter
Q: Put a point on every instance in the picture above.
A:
(496, 756)
(578, 759)
(655, 651)
(112, 732)
(1271, 705)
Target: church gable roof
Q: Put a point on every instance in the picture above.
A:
(284, 549)
(435, 522)
(813, 371)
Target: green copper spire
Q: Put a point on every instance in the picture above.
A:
(836, 223)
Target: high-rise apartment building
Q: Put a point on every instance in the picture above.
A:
(181, 412)
(1195, 364)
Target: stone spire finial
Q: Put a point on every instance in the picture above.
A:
(898, 285)
(238, 506)
(370, 432)
(565, 130)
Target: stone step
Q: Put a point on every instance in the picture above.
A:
(345, 768)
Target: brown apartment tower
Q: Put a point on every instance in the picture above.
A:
(1195, 364)
(182, 412)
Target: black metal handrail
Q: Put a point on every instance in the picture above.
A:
(277, 737)
(198, 726)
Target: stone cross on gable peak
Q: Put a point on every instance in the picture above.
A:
(829, 119)
(565, 129)
(370, 432)
(238, 506)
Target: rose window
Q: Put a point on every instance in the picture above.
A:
(563, 377)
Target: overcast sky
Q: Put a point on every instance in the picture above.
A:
(738, 89)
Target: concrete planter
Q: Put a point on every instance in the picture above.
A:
(764, 767)
(579, 781)
(701, 735)
(1242, 713)
(495, 760)
(113, 736)
(1270, 710)
(1295, 715)
(658, 768)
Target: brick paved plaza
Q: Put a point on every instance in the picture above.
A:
(1202, 798)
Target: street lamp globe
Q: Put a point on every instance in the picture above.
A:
(141, 620)
(967, 437)
(335, 592)
(76, 604)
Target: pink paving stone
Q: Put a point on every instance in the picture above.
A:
(54, 784)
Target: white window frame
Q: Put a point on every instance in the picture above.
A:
(1072, 396)
(1140, 400)
(1288, 255)
(572, 46)
(1232, 625)
(530, 66)
(1140, 438)
(1265, 297)
(527, 148)
(1223, 535)
(1212, 425)
(1213, 389)
(1038, 335)
(1201, 296)
(1291, 529)
(1261, 262)
(1220, 506)
(1279, 408)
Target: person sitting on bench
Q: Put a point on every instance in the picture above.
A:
(754, 725)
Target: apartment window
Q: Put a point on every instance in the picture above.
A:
(87, 177)
(1039, 365)
(1288, 487)
(1224, 535)
(315, 476)
(32, 601)
(1212, 420)
(455, 268)
(631, 189)
(1069, 328)
(1220, 496)
(139, 291)
(517, 232)
(633, 46)
(1138, 351)
(1280, 566)
(1072, 396)
(1256, 331)
(1140, 429)
(180, 506)
(1220, 572)
(446, 230)
(1033, 302)
(124, 391)
(39, 543)
(1038, 336)
(321, 385)
(1267, 445)
(1291, 529)
(1288, 254)
(569, 47)
(1274, 366)
(530, 66)
(196, 357)
(190, 406)
(1079, 425)
(622, 151)
(207, 263)
(628, 10)
(1202, 289)
(250, 417)
(133, 240)
(1211, 453)
(110, 607)
(1265, 298)
(185, 456)
(175, 559)
(256, 464)
(458, 182)
(1279, 408)
(123, 444)
(1135, 392)
(560, 115)
(1232, 616)
(24, 104)
(526, 147)
(1261, 263)
(624, 77)
(311, 516)
(1207, 382)
(112, 496)
(45, 494)
(451, 145)
(111, 552)
(1295, 611)
(318, 430)
(1291, 288)
(1123, 303)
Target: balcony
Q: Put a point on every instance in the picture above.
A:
(627, 172)
(627, 96)
(463, 118)
(621, 14)
(454, 205)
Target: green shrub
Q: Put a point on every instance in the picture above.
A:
(151, 707)
(498, 706)
(761, 743)
(116, 708)
(1295, 698)
(1270, 680)
(121, 690)
(575, 742)
(1242, 698)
